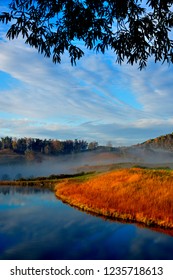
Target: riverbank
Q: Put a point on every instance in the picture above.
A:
(133, 194)
(44, 181)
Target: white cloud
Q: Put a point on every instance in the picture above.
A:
(153, 88)
(57, 89)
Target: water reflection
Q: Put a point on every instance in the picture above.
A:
(35, 225)
(140, 225)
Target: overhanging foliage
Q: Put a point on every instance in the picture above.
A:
(134, 30)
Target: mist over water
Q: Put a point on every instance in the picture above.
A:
(66, 164)
(45, 167)
(86, 161)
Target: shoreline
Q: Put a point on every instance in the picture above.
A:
(116, 216)
(133, 199)
(47, 181)
(153, 227)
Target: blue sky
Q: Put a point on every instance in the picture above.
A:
(97, 100)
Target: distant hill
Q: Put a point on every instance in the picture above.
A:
(162, 142)
(153, 151)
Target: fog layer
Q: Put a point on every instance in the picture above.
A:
(86, 161)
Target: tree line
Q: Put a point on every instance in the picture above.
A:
(28, 146)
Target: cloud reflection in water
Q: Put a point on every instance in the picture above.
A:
(35, 225)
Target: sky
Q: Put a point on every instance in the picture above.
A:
(96, 100)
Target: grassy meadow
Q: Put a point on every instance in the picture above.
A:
(131, 194)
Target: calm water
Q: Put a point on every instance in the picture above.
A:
(35, 225)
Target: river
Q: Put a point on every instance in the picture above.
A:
(34, 224)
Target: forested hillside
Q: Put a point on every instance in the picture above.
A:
(162, 142)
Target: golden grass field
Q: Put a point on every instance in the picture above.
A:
(132, 194)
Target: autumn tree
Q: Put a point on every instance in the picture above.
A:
(133, 29)
(93, 145)
(56, 147)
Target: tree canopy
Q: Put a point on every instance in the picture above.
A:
(134, 29)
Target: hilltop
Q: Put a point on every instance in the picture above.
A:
(162, 142)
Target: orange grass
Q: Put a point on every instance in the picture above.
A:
(142, 195)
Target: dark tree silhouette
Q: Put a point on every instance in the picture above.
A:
(134, 30)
